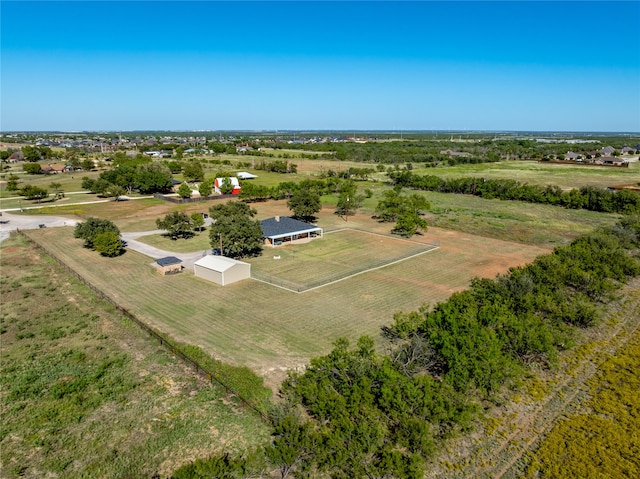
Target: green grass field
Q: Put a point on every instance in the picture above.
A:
(269, 329)
(85, 393)
(541, 173)
(338, 255)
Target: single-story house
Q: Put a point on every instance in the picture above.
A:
(15, 157)
(169, 265)
(612, 160)
(221, 270)
(282, 229)
(234, 182)
(572, 156)
(243, 175)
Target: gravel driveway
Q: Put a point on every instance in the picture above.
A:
(10, 222)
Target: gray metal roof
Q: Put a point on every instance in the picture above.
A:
(168, 260)
(284, 226)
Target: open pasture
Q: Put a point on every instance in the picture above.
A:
(338, 255)
(84, 393)
(270, 329)
(541, 173)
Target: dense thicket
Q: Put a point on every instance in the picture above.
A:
(356, 413)
(588, 197)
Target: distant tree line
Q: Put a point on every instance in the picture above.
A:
(357, 413)
(588, 197)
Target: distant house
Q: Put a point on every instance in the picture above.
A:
(169, 265)
(217, 185)
(612, 160)
(280, 230)
(15, 157)
(221, 270)
(572, 156)
(607, 150)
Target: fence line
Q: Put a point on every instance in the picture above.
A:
(199, 369)
(304, 286)
(197, 199)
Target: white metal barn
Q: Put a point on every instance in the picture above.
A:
(221, 270)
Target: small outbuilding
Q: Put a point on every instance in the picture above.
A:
(221, 270)
(232, 180)
(243, 175)
(169, 265)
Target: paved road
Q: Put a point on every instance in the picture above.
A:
(10, 222)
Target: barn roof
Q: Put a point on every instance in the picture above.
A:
(168, 260)
(279, 226)
(218, 263)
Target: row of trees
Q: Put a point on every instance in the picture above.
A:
(356, 413)
(588, 197)
(277, 166)
(146, 178)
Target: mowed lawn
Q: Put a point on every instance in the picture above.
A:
(270, 329)
(337, 255)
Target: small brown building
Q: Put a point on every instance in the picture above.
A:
(169, 265)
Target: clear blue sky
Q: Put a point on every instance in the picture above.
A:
(570, 66)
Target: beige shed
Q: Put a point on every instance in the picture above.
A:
(221, 270)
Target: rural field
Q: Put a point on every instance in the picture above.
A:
(85, 393)
(270, 329)
(542, 173)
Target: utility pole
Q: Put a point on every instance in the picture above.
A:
(346, 211)
(220, 236)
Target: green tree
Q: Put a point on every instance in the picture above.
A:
(205, 188)
(32, 168)
(391, 206)
(193, 171)
(348, 199)
(12, 183)
(184, 191)
(108, 244)
(31, 153)
(198, 221)
(115, 192)
(226, 187)
(241, 234)
(34, 192)
(178, 225)
(305, 203)
(152, 178)
(174, 166)
(87, 164)
(92, 227)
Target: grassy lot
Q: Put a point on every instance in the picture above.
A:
(540, 173)
(85, 393)
(270, 329)
(542, 225)
(336, 256)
